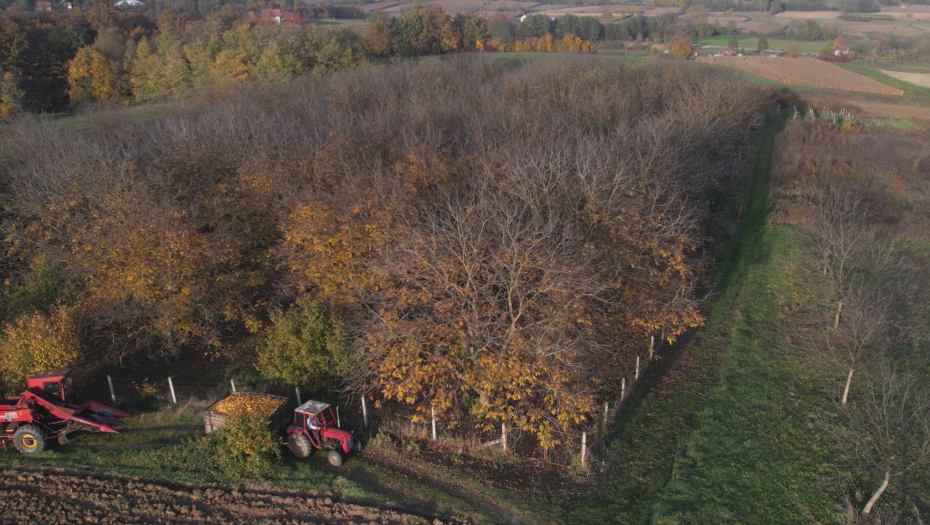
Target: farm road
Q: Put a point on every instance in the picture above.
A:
(62, 496)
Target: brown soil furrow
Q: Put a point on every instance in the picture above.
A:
(61, 496)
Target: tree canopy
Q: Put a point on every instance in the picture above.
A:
(494, 242)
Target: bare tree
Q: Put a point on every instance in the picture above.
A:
(888, 427)
(867, 318)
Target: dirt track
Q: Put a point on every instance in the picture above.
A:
(71, 497)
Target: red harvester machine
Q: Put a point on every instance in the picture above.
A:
(43, 412)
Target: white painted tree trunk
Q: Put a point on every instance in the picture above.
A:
(868, 506)
(848, 383)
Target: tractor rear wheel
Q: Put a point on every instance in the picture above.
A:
(299, 445)
(334, 458)
(29, 439)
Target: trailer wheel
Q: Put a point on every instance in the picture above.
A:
(334, 458)
(29, 440)
(299, 445)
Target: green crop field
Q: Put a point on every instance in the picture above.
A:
(751, 43)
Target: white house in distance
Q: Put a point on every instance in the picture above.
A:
(523, 18)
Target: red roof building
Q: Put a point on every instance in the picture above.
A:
(273, 15)
(291, 19)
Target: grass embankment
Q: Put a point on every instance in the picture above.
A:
(753, 453)
(723, 434)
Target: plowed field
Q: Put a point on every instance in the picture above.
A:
(72, 497)
(805, 72)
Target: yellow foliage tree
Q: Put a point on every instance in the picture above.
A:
(681, 47)
(91, 76)
(37, 342)
(572, 43)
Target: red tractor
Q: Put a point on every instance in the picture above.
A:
(43, 412)
(315, 428)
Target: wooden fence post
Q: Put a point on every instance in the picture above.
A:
(584, 449)
(432, 411)
(174, 398)
(364, 412)
(112, 392)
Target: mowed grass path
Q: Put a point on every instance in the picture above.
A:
(730, 439)
(754, 454)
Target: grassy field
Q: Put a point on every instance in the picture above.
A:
(357, 26)
(911, 91)
(549, 7)
(754, 454)
(752, 43)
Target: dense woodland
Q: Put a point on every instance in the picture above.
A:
(493, 242)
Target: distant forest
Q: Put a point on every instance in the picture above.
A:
(51, 62)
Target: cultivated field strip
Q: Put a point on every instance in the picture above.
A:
(70, 497)
(805, 72)
(918, 79)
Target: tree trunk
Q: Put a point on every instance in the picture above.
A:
(868, 506)
(839, 309)
(848, 382)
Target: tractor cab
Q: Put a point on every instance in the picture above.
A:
(54, 384)
(314, 417)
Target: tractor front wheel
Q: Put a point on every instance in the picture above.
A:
(334, 458)
(299, 445)
(29, 439)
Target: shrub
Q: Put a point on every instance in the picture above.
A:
(36, 342)
(246, 448)
(303, 347)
